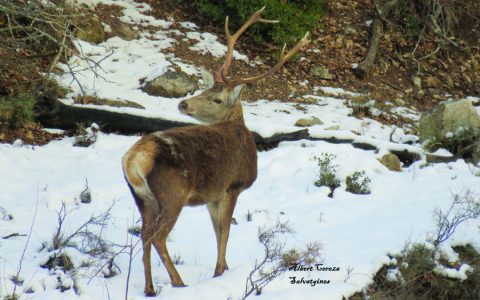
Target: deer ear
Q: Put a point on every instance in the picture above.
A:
(235, 94)
(207, 78)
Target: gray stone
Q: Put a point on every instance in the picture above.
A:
(124, 31)
(321, 72)
(307, 122)
(334, 127)
(350, 30)
(172, 84)
(417, 82)
(448, 119)
(391, 161)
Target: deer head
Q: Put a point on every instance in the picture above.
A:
(221, 100)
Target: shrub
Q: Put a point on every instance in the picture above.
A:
(416, 277)
(358, 183)
(296, 17)
(17, 111)
(327, 171)
(277, 259)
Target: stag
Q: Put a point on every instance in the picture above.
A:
(206, 164)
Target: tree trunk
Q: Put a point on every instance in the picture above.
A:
(375, 36)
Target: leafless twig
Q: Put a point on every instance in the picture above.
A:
(464, 207)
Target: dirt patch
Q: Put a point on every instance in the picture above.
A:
(32, 134)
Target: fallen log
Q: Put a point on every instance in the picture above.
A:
(55, 114)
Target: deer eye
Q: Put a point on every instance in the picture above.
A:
(218, 101)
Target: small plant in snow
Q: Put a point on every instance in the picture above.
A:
(86, 195)
(277, 259)
(88, 238)
(84, 137)
(177, 259)
(464, 207)
(4, 215)
(358, 183)
(82, 238)
(249, 216)
(327, 176)
(135, 230)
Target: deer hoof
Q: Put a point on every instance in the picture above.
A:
(179, 285)
(150, 293)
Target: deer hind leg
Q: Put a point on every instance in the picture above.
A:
(221, 216)
(147, 234)
(166, 221)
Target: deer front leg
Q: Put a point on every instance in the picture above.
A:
(224, 219)
(213, 210)
(166, 223)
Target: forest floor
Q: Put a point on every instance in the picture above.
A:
(340, 41)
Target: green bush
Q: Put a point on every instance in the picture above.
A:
(358, 183)
(296, 17)
(327, 176)
(18, 110)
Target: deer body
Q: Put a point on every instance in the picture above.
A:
(205, 164)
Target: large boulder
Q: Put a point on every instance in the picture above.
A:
(89, 28)
(392, 162)
(171, 84)
(321, 72)
(449, 120)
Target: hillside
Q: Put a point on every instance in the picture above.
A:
(69, 226)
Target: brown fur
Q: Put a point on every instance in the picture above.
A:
(205, 164)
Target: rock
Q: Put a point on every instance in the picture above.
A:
(400, 101)
(433, 82)
(334, 127)
(450, 82)
(417, 82)
(448, 119)
(391, 161)
(307, 122)
(89, 28)
(124, 31)
(321, 72)
(172, 84)
(349, 30)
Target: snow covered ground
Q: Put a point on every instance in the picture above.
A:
(356, 231)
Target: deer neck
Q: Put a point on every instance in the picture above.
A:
(235, 115)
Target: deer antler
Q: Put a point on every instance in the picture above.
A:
(221, 73)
